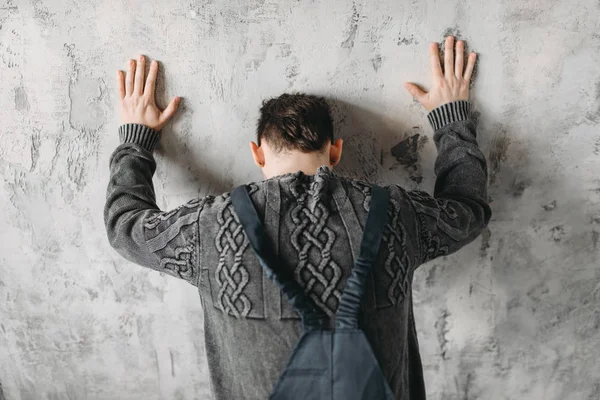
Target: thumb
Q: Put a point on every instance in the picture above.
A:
(414, 90)
(170, 110)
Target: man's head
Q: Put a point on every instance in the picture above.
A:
(295, 132)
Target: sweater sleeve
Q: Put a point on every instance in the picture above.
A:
(458, 210)
(165, 241)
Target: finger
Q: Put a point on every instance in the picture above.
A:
(170, 110)
(120, 84)
(139, 75)
(470, 66)
(415, 91)
(151, 80)
(129, 77)
(434, 56)
(460, 52)
(449, 57)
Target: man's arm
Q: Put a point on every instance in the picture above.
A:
(458, 210)
(166, 241)
(135, 226)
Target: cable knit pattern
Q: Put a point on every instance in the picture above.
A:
(231, 275)
(231, 279)
(397, 262)
(316, 271)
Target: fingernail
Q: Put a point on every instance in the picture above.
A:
(141, 57)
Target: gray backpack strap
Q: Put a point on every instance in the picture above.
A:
(312, 316)
(349, 308)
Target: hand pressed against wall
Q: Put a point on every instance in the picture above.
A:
(450, 85)
(136, 97)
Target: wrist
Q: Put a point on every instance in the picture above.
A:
(139, 134)
(454, 111)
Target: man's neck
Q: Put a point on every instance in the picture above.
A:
(297, 161)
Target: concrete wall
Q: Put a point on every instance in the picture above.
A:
(514, 315)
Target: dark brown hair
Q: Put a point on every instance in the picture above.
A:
(295, 122)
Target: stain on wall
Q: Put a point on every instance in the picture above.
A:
(407, 152)
(498, 152)
(21, 102)
(513, 315)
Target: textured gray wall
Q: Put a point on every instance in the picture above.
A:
(514, 315)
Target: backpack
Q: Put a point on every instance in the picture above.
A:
(325, 364)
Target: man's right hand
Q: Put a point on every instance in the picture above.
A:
(450, 85)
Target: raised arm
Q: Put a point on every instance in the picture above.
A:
(458, 210)
(136, 228)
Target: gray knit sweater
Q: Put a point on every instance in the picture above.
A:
(315, 223)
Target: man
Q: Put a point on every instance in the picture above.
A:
(314, 219)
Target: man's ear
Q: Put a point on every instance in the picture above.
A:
(335, 152)
(257, 154)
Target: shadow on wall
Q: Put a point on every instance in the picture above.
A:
(204, 180)
(172, 148)
(508, 159)
(368, 138)
(366, 134)
(201, 178)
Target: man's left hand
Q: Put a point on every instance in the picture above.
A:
(136, 96)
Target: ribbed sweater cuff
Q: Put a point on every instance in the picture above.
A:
(139, 134)
(445, 114)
